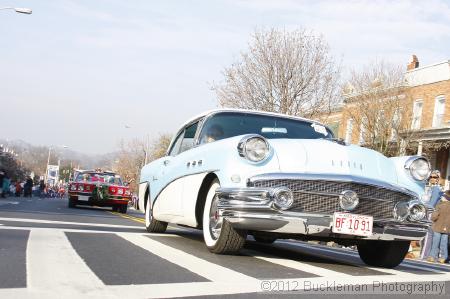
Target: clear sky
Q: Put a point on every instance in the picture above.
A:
(76, 72)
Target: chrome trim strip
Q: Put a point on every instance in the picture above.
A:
(337, 195)
(318, 225)
(330, 177)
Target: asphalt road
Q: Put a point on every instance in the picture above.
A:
(50, 251)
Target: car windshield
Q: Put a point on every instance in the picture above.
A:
(93, 177)
(229, 124)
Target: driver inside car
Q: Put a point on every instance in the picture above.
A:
(215, 132)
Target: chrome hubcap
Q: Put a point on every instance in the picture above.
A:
(215, 220)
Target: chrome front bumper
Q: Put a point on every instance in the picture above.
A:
(253, 209)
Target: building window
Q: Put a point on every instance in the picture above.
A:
(439, 110)
(349, 130)
(417, 114)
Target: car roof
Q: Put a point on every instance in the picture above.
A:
(218, 110)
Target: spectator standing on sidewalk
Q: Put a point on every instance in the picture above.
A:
(434, 192)
(5, 187)
(18, 189)
(42, 191)
(2, 177)
(28, 187)
(441, 229)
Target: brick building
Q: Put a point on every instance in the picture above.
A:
(427, 96)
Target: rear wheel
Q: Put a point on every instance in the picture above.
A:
(220, 237)
(114, 208)
(386, 254)
(151, 224)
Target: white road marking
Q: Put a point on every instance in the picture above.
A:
(171, 290)
(296, 265)
(406, 263)
(194, 264)
(54, 270)
(2, 203)
(79, 230)
(53, 267)
(67, 222)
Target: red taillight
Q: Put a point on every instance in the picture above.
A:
(87, 188)
(112, 190)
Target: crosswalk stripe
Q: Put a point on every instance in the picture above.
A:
(54, 266)
(296, 265)
(73, 230)
(172, 290)
(27, 220)
(321, 251)
(194, 264)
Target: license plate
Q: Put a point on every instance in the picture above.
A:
(352, 224)
(83, 198)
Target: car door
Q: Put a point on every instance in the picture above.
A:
(169, 201)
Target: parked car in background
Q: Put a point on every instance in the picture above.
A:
(235, 172)
(99, 188)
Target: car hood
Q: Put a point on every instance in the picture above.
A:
(328, 157)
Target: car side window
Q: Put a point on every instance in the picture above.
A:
(176, 145)
(189, 137)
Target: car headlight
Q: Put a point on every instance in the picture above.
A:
(418, 167)
(410, 210)
(417, 212)
(254, 148)
(401, 211)
(283, 198)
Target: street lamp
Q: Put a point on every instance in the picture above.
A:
(26, 11)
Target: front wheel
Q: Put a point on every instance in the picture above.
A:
(123, 209)
(72, 203)
(220, 237)
(386, 254)
(151, 224)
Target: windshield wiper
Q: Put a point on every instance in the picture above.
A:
(337, 140)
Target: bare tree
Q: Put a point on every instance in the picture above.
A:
(130, 160)
(286, 72)
(378, 103)
(159, 146)
(131, 157)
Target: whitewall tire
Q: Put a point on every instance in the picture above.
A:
(151, 224)
(220, 237)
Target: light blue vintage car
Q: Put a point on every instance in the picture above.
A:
(238, 172)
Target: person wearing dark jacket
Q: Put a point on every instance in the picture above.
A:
(28, 187)
(441, 229)
(2, 176)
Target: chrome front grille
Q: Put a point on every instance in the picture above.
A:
(320, 196)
